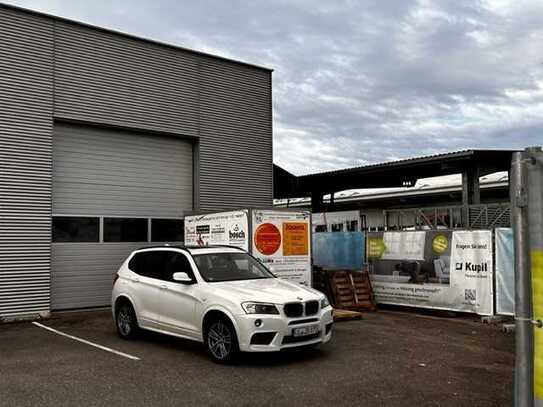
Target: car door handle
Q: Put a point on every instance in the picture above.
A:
(164, 287)
(136, 280)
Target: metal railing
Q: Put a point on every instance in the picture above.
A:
(483, 216)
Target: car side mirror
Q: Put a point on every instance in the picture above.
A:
(182, 277)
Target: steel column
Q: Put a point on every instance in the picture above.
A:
(523, 392)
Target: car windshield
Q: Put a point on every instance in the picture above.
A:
(215, 267)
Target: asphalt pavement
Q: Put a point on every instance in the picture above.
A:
(387, 359)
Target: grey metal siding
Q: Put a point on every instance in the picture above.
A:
(26, 100)
(101, 77)
(83, 273)
(52, 69)
(112, 172)
(105, 172)
(235, 137)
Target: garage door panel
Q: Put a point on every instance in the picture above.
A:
(122, 166)
(99, 172)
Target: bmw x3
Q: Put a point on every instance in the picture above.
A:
(220, 296)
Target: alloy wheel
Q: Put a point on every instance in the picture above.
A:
(219, 340)
(124, 321)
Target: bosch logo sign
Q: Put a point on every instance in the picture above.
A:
(236, 233)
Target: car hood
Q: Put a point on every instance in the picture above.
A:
(272, 290)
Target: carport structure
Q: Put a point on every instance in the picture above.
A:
(472, 164)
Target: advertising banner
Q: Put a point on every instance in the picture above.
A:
(281, 240)
(505, 271)
(228, 228)
(441, 269)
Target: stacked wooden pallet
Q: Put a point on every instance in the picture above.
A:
(346, 315)
(346, 289)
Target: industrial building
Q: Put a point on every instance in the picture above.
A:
(462, 189)
(106, 141)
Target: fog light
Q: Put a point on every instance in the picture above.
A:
(258, 322)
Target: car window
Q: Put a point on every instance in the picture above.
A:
(135, 263)
(160, 264)
(216, 267)
(176, 263)
(154, 264)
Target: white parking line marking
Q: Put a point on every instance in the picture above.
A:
(75, 338)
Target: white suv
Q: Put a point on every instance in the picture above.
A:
(221, 296)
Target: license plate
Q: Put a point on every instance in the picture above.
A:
(305, 330)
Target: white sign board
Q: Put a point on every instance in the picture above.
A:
(281, 240)
(455, 272)
(228, 228)
(404, 245)
(472, 271)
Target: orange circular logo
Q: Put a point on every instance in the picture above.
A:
(267, 239)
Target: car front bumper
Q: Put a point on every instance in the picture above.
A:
(280, 330)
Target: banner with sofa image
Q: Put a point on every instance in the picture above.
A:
(439, 269)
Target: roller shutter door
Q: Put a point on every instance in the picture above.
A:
(105, 173)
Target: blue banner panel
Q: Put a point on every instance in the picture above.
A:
(338, 250)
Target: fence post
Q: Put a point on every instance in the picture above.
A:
(523, 392)
(534, 160)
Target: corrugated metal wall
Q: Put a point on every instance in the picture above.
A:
(52, 69)
(101, 77)
(236, 142)
(83, 272)
(105, 172)
(118, 173)
(26, 101)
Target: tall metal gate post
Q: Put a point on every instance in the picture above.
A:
(523, 296)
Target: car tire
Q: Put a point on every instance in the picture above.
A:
(126, 321)
(221, 341)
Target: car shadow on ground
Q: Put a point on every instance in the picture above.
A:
(249, 359)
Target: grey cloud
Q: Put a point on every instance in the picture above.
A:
(361, 82)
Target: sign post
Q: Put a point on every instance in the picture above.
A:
(527, 210)
(523, 304)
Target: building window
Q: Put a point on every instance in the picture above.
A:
(167, 230)
(125, 230)
(352, 225)
(75, 229)
(337, 227)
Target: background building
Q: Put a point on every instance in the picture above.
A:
(462, 189)
(106, 141)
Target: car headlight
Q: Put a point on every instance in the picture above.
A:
(259, 308)
(324, 302)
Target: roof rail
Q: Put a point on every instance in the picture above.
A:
(164, 246)
(183, 247)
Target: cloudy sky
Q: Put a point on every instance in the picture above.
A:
(363, 81)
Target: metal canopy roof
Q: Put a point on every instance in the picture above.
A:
(392, 174)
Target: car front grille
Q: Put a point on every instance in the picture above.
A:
(294, 309)
(311, 307)
(303, 321)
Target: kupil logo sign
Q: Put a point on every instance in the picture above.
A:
(469, 266)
